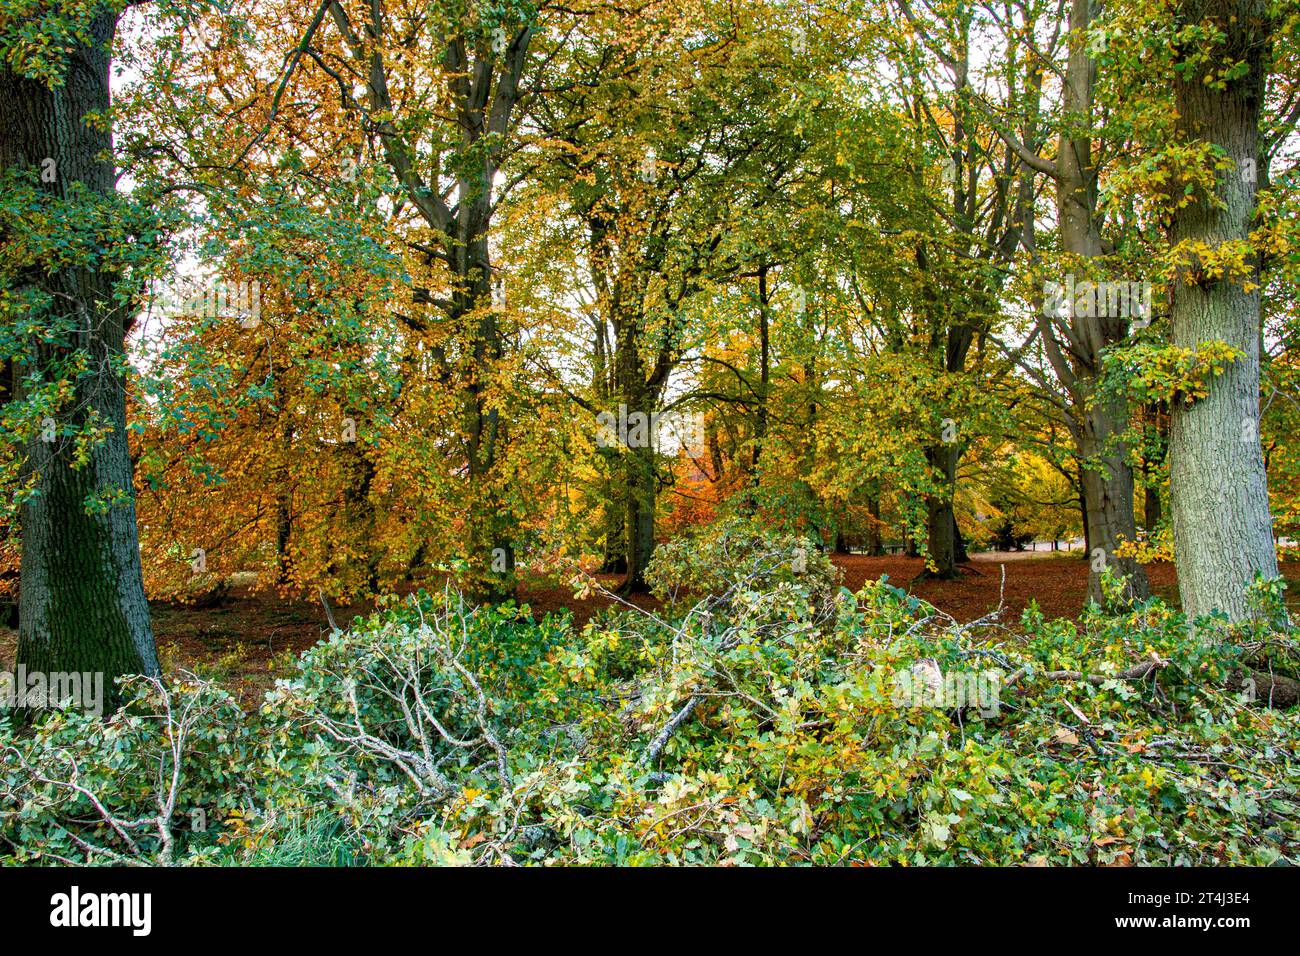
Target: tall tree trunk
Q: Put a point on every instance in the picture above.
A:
(714, 446)
(614, 516)
(1151, 511)
(959, 542)
(875, 546)
(1073, 343)
(283, 532)
(637, 449)
(283, 499)
(82, 598)
(490, 524)
(1108, 492)
(358, 519)
(764, 370)
(1154, 456)
(1223, 533)
(1107, 477)
(1083, 518)
(942, 523)
(603, 386)
(641, 504)
(482, 95)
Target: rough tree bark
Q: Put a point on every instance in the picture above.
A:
(82, 603)
(1223, 533)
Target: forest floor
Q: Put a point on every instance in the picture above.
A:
(252, 637)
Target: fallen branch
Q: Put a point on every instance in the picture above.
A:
(1136, 672)
(1273, 690)
(661, 739)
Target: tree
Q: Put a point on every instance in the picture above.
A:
(1075, 337)
(72, 251)
(980, 223)
(445, 162)
(1223, 533)
(664, 186)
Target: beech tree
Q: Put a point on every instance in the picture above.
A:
(1075, 340)
(982, 219)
